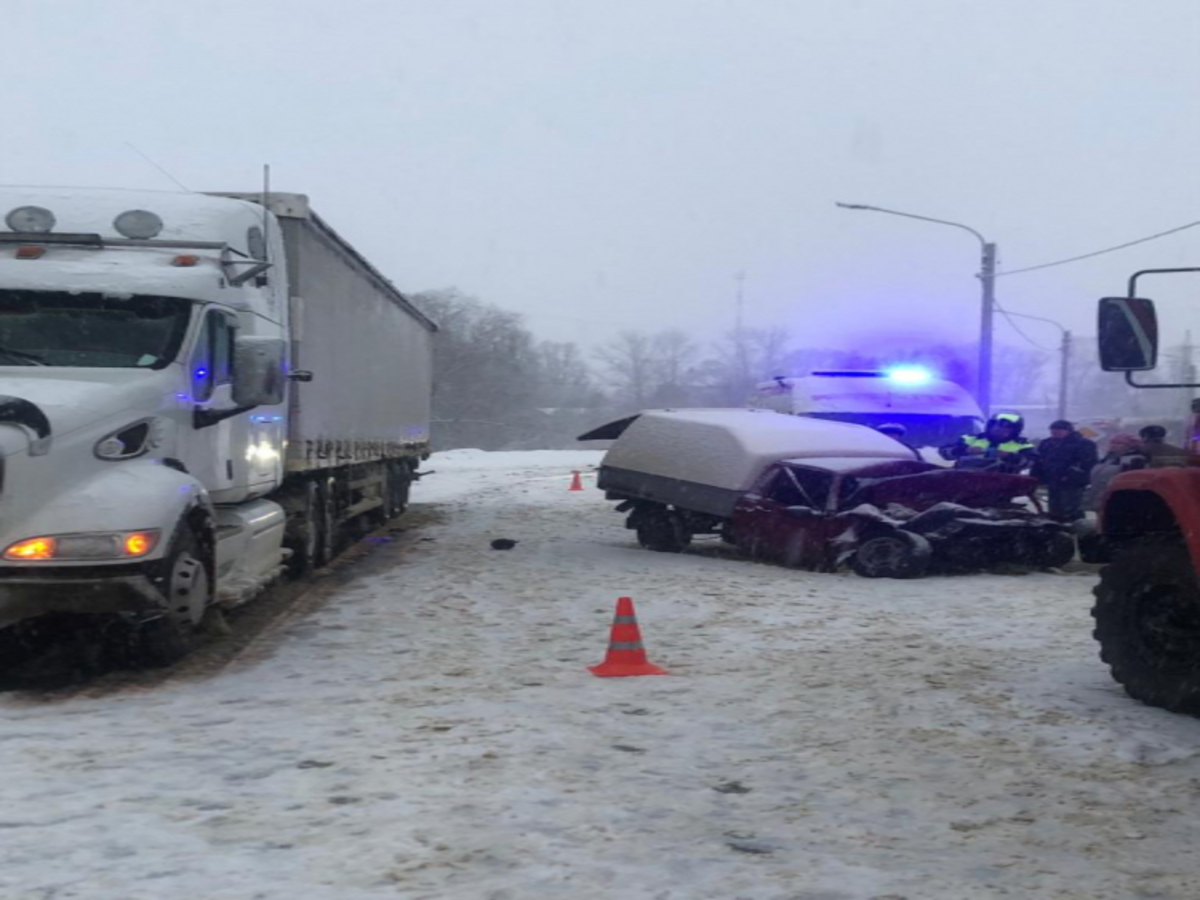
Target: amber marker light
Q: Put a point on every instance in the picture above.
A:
(140, 543)
(34, 548)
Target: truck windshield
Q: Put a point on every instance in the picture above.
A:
(94, 330)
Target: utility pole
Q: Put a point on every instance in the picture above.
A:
(987, 279)
(739, 331)
(1064, 374)
(1064, 361)
(740, 300)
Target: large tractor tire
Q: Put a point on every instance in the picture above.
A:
(1147, 616)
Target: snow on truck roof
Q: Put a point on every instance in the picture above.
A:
(185, 216)
(729, 448)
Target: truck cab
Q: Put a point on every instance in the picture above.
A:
(143, 373)
(1147, 607)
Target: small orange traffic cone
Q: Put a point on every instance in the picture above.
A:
(576, 483)
(626, 656)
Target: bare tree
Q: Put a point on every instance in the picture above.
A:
(485, 371)
(629, 364)
(674, 354)
(564, 380)
(744, 358)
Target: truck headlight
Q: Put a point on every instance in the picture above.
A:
(78, 547)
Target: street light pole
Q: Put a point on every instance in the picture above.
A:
(987, 280)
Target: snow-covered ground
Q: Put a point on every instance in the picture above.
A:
(432, 732)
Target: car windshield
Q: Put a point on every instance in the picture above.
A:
(92, 330)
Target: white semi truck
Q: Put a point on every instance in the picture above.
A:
(196, 392)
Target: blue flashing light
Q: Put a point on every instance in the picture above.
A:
(909, 375)
(201, 373)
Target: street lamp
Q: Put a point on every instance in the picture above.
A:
(1064, 349)
(987, 279)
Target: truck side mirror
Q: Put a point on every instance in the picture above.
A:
(1127, 331)
(258, 371)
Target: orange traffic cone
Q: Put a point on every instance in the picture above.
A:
(626, 656)
(576, 483)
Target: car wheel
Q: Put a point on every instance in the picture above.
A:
(662, 532)
(1050, 551)
(1147, 616)
(899, 554)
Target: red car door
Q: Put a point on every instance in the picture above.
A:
(785, 518)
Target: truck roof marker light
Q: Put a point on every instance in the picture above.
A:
(910, 375)
(34, 548)
(30, 218)
(185, 260)
(138, 224)
(30, 251)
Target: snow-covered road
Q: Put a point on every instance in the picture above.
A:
(432, 732)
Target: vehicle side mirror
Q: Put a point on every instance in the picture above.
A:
(258, 371)
(802, 512)
(1127, 331)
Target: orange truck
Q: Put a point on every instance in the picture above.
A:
(1147, 608)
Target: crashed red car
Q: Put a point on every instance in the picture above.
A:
(818, 495)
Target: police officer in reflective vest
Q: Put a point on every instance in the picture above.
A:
(1000, 448)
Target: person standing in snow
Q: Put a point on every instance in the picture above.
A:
(1064, 465)
(1000, 446)
(1158, 451)
(1125, 454)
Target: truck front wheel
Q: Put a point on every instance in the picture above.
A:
(185, 580)
(1147, 616)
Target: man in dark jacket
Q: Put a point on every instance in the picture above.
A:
(1158, 451)
(1064, 466)
(1001, 447)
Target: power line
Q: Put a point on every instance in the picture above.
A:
(1017, 328)
(1063, 262)
(157, 166)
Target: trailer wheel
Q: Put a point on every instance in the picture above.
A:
(898, 554)
(326, 512)
(186, 581)
(662, 532)
(397, 490)
(1147, 616)
(306, 541)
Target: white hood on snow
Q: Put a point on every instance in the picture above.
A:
(75, 398)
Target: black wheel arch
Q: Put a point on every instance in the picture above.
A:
(1137, 514)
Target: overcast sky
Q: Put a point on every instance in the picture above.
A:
(608, 165)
